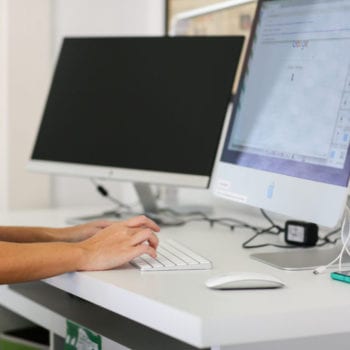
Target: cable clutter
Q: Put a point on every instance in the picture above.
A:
(296, 233)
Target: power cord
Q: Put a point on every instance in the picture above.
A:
(182, 219)
(104, 193)
(275, 229)
(327, 238)
(231, 223)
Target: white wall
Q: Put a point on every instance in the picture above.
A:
(30, 37)
(25, 61)
(3, 104)
(109, 18)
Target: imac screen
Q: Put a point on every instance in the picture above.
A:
(292, 113)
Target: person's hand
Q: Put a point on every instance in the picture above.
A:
(81, 232)
(119, 243)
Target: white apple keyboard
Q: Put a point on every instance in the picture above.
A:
(172, 256)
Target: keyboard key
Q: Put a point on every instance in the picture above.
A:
(164, 260)
(141, 263)
(187, 251)
(172, 257)
(150, 261)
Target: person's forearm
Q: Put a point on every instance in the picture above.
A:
(27, 234)
(22, 262)
(108, 248)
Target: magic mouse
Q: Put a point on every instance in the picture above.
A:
(243, 280)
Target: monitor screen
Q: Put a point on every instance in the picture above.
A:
(145, 109)
(286, 146)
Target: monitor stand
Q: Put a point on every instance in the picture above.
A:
(301, 259)
(150, 208)
(166, 216)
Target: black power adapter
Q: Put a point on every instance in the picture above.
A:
(303, 234)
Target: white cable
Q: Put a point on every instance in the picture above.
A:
(345, 241)
(342, 233)
(339, 258)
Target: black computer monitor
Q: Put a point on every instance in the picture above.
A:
(144, 109)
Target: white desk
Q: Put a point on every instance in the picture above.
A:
(178, 304)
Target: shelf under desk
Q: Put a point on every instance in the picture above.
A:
(60, 306)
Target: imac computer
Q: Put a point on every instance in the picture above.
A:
(148, 110)
(286, 147)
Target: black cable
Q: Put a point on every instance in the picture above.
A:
(104, 193)
(274, 229)
(233, 223)
(230, 222)
(267, 217)
(277, 230)
(326, 239)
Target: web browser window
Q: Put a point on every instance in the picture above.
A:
(294, 101)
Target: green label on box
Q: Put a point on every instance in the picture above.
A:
(81, 338)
